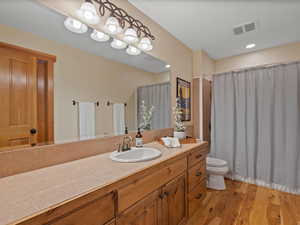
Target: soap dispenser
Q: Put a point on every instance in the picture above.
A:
(139, 139)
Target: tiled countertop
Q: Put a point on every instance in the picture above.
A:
(30, 193)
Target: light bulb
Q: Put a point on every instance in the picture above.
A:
(75, 26)
(118, 44)
(88, 13)
(145, 44)
(112, 26)
(99, 36)
(131, 50)
(130, 36)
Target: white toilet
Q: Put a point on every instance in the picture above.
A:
(216, 170)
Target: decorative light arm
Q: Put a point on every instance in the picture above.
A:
(123, 17)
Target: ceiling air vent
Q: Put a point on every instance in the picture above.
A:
(244, 28)
(238, 30)
(250, 27)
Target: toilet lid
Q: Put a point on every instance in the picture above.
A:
(213, 162)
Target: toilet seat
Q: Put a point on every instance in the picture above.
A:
(213, 162)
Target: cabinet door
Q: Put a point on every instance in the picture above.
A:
(145, 212)
(175, 202)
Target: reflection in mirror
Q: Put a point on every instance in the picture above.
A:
(98, 90)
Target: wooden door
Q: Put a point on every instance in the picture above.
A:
(145, 212)
(207, 98)
(175, 202)
(17, 98)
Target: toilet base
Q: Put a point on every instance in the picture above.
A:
(216, 182)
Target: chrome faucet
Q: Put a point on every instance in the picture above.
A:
(126, 143)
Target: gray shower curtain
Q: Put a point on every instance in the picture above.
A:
(256, 125)
(159, 96)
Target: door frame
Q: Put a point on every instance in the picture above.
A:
(49, 92)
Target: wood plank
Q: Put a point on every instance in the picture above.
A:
(247, 204)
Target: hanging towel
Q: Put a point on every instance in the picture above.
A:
(87, 120)
(119, 118)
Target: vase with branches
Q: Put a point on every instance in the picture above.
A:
(146, 115)
(179, 129)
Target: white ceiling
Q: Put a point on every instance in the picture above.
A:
(30, 16)
(208, 24)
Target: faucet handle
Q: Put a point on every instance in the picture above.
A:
(119, 147)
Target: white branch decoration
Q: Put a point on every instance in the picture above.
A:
(147, 114)
(177, 111)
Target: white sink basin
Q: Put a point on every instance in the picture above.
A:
(135, 155)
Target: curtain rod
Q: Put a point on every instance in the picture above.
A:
(258, 67)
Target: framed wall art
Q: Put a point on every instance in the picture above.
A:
(183, 94)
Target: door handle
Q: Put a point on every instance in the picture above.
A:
(33, 131)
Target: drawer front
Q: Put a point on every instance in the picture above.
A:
(97, 212)
(196, 197)
(196, 174)
(196, 156)
(131, 193)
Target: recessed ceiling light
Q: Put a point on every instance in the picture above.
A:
(168, 66)
(250, 46)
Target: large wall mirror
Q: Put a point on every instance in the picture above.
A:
(98, 91)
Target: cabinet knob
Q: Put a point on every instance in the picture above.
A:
(198, 156)
(198, 174)
(33, 131)
(198, 196)
(161, 196)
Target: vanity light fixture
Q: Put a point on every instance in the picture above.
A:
(249, 46)
(145, 44)
(130, 36)
(75, 26)
(99, 36)
(112, 26)
(131, 50)
(118, 44)
(168, 66)
(88, 13)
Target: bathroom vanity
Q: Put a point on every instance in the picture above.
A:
(98, 191)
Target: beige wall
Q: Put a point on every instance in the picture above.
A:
(93, 79)
(166, 46)
(162, 77)
(203, 64)
(280, 54)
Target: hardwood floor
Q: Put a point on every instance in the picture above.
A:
(247, 204)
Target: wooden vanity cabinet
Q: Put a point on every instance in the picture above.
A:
(165, 206)
(92, 209)
(196, 179)
(165, 195)
(145, 212)
(175, 202)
